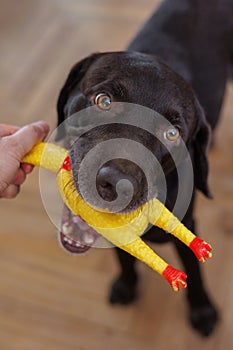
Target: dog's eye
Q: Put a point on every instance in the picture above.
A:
(103, 101)
(172, 134)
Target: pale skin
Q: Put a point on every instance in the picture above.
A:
(15, 143)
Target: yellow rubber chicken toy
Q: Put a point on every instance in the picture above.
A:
(123, 230)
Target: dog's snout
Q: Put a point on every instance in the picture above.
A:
(108, 179)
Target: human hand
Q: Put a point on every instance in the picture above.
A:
(15, 143)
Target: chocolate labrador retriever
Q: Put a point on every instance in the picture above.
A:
(178, 66)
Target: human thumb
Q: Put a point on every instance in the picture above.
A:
(25, 138)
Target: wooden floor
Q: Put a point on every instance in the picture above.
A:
(49, 299)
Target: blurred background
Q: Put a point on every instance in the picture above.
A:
(50, 299)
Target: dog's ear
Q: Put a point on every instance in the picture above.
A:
(201, 142)
(75, 76)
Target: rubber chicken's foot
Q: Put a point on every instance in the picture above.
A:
(175, 277)
(201, 249)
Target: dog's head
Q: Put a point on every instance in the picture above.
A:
(105, 78)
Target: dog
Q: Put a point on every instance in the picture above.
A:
(177, 65)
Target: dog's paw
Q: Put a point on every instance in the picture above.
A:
(122, 292)
(204, 319)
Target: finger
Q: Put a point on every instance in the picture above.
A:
(20, 177)
(27, 168)
(25, 138)
(6, 130)
(10, 192)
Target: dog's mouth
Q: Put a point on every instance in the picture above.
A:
(75, 235)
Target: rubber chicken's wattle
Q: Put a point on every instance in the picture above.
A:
(123, 230)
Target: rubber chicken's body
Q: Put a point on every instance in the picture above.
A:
(123, 230)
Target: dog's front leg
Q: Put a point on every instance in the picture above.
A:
(124, 287)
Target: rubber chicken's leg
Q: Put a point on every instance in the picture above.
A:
(168, 222)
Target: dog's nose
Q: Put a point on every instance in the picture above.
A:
(109, 178)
